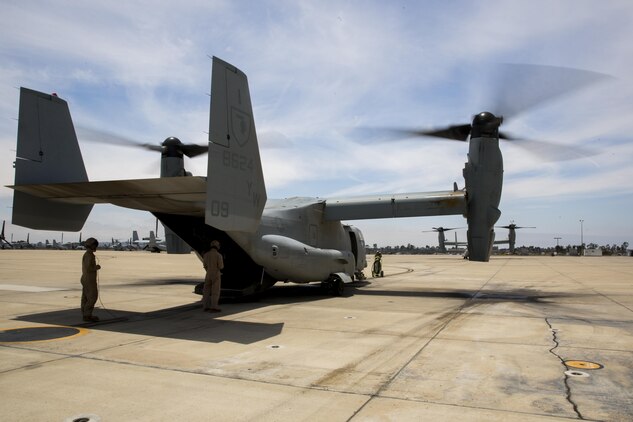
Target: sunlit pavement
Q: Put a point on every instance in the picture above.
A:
(438, 338)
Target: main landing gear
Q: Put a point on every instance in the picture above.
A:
(334, 285)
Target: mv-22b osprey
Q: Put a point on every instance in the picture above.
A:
(264, 241)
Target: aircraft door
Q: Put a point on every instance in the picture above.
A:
(357, 246)
(353, 241)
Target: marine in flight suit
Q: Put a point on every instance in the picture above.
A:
(89, 270)
(213, 263)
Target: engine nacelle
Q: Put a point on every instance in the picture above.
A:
(484, 178)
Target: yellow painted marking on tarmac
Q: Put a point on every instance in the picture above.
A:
(79, 332)
(581, 364)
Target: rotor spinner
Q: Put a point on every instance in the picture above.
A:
(172, 147)
(172, 161)
(486, 124)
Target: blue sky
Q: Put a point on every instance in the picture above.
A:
(317, 69)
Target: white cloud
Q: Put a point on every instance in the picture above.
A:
(316, 67)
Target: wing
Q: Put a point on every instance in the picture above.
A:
(172, 195)
(397, 205)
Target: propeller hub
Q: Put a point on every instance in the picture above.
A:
(486, 125)
(172, 147)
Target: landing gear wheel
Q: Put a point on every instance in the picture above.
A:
(338, 287)
(334, 286)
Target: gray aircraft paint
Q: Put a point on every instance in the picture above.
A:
(296, 239)
(236, 194)
(47, 152)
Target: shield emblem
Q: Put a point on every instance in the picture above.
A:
(241, 126)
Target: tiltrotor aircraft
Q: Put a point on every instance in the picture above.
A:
(264, 241)
(4, 243)
(441, 238)
(512, 235)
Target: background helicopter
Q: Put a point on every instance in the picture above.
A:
(296, 239)
(441, 238)
(512, 236)
(4, 243)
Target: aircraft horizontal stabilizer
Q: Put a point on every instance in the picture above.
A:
(174, 195)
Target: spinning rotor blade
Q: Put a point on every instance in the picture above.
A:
(441, 229)
(515, 88)
(456, 133)
(193, 150)
(105, 137)
(549, 151)
(381, 134)
(519, 87)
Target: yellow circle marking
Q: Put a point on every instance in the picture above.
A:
(80, 332)
(581, 364)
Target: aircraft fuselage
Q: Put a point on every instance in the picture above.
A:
(293, 243)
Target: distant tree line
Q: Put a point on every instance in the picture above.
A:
(571, 250)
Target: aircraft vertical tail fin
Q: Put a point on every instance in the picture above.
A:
(236, 194)
(47, 152)
(152, 240)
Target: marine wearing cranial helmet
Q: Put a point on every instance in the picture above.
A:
(89, 269)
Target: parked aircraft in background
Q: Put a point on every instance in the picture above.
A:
(4, 243)
(512, 236)
(441, 239)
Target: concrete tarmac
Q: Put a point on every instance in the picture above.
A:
(438, 338)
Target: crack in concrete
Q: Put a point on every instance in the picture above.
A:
(562, 361)
(449, 316)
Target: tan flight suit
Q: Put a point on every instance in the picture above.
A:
(213, 263)
(90, 293)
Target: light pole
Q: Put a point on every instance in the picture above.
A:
(557, 239)
(582, 241)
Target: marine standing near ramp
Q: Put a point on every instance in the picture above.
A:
(89, 270)
(213, 263)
